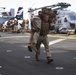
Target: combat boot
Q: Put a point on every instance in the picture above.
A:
(29, 47)
(49, 60)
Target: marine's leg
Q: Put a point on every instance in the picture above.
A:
(34, 42)
(38, 49)
(47, 49)
(30, 41)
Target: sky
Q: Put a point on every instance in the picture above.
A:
(33, 4)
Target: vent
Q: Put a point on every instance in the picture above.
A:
(72, 25)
